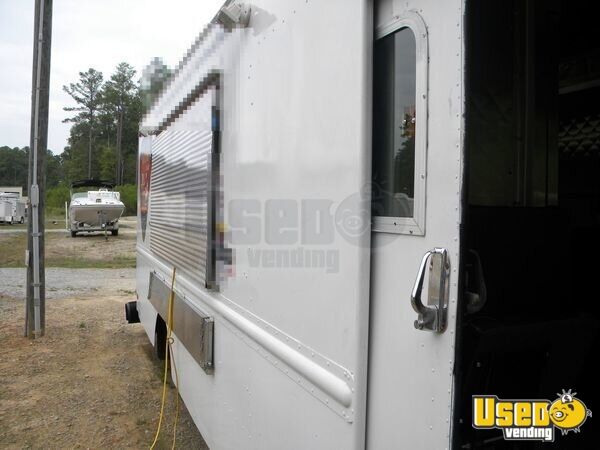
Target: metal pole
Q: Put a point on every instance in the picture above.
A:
(90, 150)
(38, 147)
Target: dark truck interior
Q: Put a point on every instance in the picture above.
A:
(529, 322)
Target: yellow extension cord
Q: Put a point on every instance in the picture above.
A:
(168, 349)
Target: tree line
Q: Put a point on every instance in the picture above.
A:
(14, 165)
(103, 139)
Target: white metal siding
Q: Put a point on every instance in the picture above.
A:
(291, 97)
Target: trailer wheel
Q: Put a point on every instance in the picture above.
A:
(114, 232)
(22, 221)
(73, 233)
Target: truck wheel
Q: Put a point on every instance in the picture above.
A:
(114, 232)
(131, 312)
(73, 233)
(160, 338)
(22, 221)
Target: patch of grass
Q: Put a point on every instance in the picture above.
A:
(51, 223)
(12, 254)
(52, 213)
(81, 324)
(12, 250)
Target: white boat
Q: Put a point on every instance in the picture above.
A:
(97, 210)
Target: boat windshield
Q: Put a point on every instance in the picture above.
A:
(79, 195)
(106, 194)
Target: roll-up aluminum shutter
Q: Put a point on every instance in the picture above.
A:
(181, 192)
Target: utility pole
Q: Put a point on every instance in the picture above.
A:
(90, 148)
(119, 140)
(36, 304)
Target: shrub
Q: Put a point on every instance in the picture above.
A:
(128, 197)
(56, 197)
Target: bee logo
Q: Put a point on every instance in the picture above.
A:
(568, 412)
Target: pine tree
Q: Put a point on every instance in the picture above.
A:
(118, 95)
(86, 93)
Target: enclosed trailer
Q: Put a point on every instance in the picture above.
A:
(377, 211)
(6, 209)
(12, 208)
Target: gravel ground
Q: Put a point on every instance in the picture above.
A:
(62, 283)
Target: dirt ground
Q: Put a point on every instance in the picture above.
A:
(92, 381)
(91, 250)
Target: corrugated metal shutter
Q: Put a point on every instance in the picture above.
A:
(179, 200)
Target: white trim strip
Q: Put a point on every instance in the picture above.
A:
(329, 383)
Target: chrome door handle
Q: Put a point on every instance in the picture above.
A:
(433, 316)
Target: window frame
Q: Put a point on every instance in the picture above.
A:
(414, 225)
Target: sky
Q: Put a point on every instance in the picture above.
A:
(87, 33)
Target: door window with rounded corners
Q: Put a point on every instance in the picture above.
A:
(399, 130)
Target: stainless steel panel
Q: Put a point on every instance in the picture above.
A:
(194, 329)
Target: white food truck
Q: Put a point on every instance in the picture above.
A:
(376, 211)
